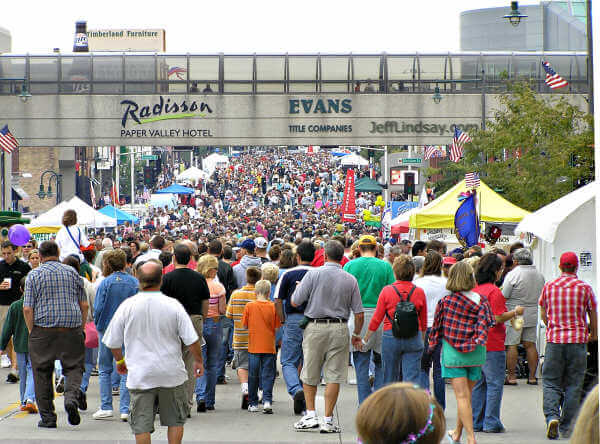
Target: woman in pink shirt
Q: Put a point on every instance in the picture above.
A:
(400, 356)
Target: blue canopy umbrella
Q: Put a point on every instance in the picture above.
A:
(176, 189)
(121, 216)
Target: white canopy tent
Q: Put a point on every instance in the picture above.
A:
(353, 159)
(213, 161)
(86, 216)
(567, 224)
(193, 174)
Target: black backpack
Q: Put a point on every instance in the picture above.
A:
(405, 324)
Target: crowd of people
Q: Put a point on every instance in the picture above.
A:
(249, 269)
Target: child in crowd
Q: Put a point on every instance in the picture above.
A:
(400, 413)
(261, 320)
(235, 311)
(16, 328)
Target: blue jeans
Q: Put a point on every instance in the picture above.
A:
(362, 361)
(563, 373)
(487, 393)
(260, 374)
(26, 388)
(439, 385)
(105, 371)
(90, 361)
(205, 385)
(226, 345)
(291, 352)
(401, 355)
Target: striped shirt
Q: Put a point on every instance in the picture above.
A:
(235, 311)
(566, 301)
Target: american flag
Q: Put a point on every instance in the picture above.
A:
(553, 80)
(472, 180)
(456, 149)
(7, 141)
(177, 71)
(434, 151)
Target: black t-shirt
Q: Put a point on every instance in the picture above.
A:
(16, 272)
(287, 286)
(187, 286)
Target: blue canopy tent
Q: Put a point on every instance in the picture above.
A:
(121, 216)
(176, 189)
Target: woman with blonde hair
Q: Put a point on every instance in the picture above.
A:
(400, 413)
(461, 323)
(212, 331)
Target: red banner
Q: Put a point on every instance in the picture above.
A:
(349, 204)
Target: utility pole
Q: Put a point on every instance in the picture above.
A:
(590, 58)
(132, 174)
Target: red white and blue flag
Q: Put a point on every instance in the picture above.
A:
(472, 180)
(432, 151)
(8, 142)
(456, 149)
(553, 80)
(178, 71)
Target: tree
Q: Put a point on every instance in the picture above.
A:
(535, 150)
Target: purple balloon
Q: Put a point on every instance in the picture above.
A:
(18, 235)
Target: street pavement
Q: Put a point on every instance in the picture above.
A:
(521, 414)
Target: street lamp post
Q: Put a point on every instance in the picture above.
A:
(48, 193)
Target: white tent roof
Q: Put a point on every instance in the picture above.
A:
(544, 222)
(193, 174)
(354, 159)
(86, 215)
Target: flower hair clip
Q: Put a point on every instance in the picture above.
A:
(427, 428)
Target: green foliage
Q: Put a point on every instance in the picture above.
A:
(536, 149)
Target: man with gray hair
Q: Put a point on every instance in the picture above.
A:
(107, 245)
(522, 286)
(156, 373)
(330, 294)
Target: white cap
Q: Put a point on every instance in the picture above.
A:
(261, 242)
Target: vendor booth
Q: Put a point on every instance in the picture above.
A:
(120, 216)
(567, 224)
(192, 174)
(353, 160)
(176, 189)
(213, 161)
(86, 216)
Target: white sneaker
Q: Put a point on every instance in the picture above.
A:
(267, 409)
(103, 414)
(329, 427)
(4, 361)
(307, 423)
(124, 417)
(253, 408)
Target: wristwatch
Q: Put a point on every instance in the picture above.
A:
(356, 335)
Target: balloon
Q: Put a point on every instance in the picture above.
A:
(379, 202)
(18, 235)
(318, 204)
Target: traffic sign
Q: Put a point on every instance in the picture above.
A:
(412, 160)
(149, 157)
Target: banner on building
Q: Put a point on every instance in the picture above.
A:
(349, 203)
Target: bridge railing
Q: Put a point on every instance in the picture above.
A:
(143, 73)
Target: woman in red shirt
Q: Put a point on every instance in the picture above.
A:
(487, 393)
(400, 356)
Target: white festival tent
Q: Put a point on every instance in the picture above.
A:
(567, 224)
(86, 216)
(193, 174)
(213, 161)
(353, 159)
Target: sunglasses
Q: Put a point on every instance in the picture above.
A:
(28, 246)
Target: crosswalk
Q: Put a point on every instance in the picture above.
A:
(13, 411)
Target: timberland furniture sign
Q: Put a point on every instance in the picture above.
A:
(126, 40)
(198, 119)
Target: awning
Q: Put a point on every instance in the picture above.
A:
(20, 193)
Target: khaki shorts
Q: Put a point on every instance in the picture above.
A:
(240, 359)
(514, 337)
(3, 313)
(326, 347)
(171, 402)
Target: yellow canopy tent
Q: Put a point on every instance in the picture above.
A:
(440, 212)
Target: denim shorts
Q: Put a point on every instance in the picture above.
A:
(471, 373)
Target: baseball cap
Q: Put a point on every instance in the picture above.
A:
(569, 259)
(367, 240)
(248, 244)
(261, 242)
(449, 260)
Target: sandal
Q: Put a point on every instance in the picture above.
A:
(450, 437)
(532, 382)
(507, 382)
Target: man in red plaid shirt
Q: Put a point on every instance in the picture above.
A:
(566, 304)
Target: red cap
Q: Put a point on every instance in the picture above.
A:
(569, 259)
(449, 260)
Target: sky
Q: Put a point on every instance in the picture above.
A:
(248, 26)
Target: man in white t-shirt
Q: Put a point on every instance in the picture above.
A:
(155, 370)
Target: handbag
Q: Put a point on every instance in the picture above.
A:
(91, 335)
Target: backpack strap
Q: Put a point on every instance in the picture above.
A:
(400, 296)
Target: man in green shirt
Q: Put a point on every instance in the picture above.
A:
(372, 274)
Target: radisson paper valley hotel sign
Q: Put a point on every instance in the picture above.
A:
(126, 40)
(198, 119)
